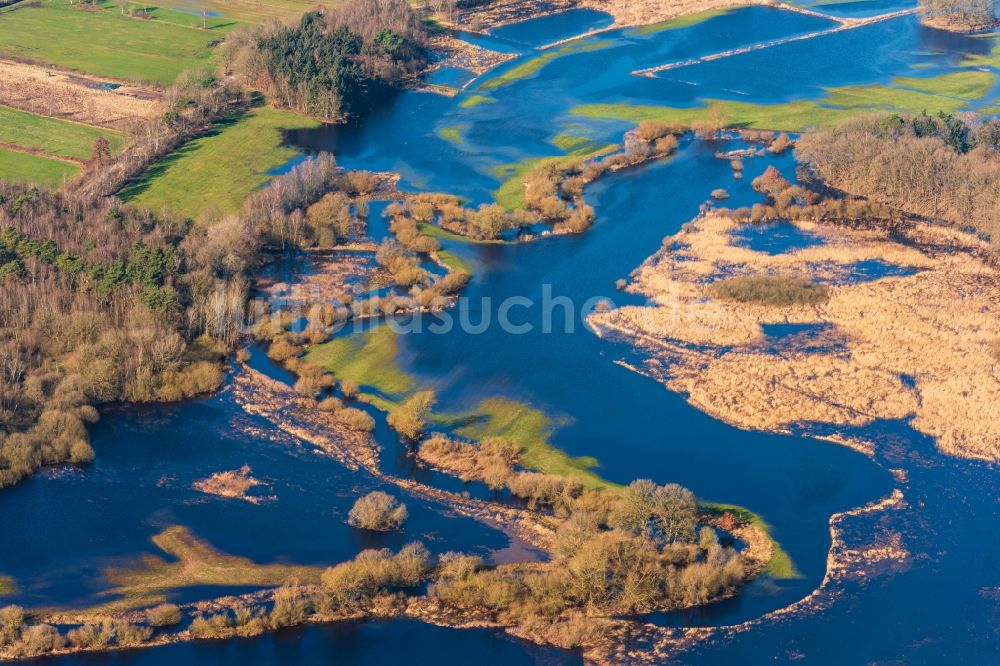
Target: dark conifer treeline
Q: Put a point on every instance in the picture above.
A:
(333, 63)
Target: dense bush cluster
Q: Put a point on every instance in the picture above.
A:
(628, 554)
(377, 511)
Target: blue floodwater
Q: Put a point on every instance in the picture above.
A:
(877, 269)
(775, 238)
(939, 608)
(453, 77)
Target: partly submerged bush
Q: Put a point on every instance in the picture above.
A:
(377, 511)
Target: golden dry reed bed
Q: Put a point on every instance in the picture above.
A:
(75, 97)
(922, 345)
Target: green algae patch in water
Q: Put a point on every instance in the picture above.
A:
(681, 21)
(367, 358)
(472, 101)
(7, 586)
(990, 60)
(195, 563)
(780, 565)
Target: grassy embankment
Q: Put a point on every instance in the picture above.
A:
(370, 359)
(45, 150)
(780, 565)
(219, 169)
(947, 92)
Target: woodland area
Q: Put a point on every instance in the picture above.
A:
(334, 62)
(942, 167)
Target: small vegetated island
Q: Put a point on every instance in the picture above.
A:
(149, 187)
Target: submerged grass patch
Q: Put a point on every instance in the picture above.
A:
(452, 134)
(221, 168)
(947, 92)
(681, 21)
(7, 585)
(367, 358)
(454, 262)
(780, 565)
(53, 136)
(29, 168)
(194, 563)
(571, 142)
(531, 67)
(473, 101)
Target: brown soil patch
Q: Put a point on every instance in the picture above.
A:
(74, 97)
(919, 345)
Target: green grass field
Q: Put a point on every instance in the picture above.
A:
(56, 137)
(947, 92)
(221, 168)
(529, 429)
(34, 168)
(367, 358)
(104, 42)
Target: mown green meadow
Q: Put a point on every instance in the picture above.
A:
(221, 168)
(51, 135)
(105, 42)
(30, 168)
